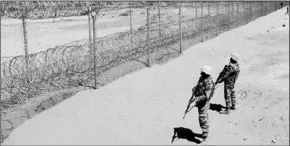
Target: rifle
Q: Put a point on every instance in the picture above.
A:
(216, 87)
(174, 135)
(221, 74)
(191, 100)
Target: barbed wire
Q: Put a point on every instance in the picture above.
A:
(54, 9)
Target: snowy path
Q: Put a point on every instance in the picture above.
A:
(145, 106)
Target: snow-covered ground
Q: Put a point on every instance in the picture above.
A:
(145, 106)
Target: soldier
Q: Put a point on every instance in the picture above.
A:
(229, 76)
(203, 92)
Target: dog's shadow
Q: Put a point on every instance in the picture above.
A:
(184, 133)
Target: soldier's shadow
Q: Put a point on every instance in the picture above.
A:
(216, 107)
(185, 133)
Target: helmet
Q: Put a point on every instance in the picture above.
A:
(235, 56)
(206, 69)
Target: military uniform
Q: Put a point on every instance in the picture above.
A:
(203, 92)
(229, 76)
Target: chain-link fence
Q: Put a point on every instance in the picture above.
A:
(82, 61)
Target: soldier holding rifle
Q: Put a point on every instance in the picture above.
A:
(201, 95)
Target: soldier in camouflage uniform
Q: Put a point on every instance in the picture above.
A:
(203, 92)
(229, 76)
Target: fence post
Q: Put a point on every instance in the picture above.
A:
(254, 10)
(208, 7)
(131, 29)
(228, 15)
(244, 9)
(148, 36)
(237, 14)
(195, 9)
(217, 17)
(257, 9)
(265, 8)
(247, 10)
(25, 39)
(262, 8)
(159, 21)
(94, 48)
(271, 6)
(233, 5)
(90, 31)
(201, 21)
(180, 29)
(268, 7)
(251, 11)
(1, 13)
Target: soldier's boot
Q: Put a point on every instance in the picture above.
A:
(204, 137)
(203, 142)
(233, 107)
(226, 111)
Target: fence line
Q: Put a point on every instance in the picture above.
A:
(84, 60)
